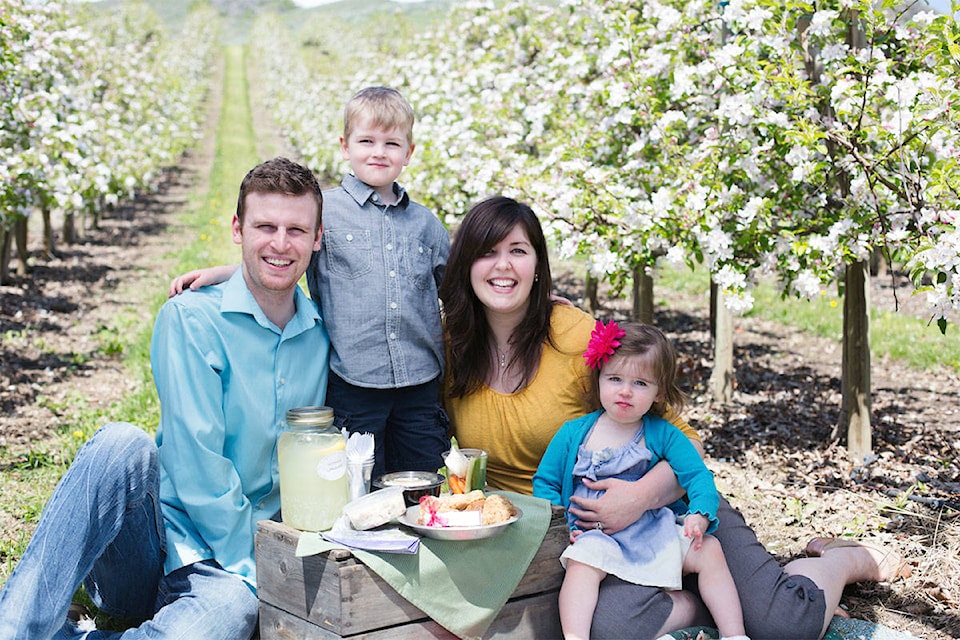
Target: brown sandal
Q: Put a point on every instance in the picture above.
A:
(819, 546)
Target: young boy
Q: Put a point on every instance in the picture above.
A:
(375, 279)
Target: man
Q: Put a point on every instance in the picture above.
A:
(163, 532)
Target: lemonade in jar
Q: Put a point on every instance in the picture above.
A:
(313, 469)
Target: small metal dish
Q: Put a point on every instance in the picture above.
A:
(416, 484)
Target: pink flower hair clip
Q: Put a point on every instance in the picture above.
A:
(604, 340)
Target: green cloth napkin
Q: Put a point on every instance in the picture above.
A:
(460, 585)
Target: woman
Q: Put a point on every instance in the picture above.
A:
(515, 369)
(515, 374)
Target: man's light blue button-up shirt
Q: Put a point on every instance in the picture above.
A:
(376, 278)
(226, 376)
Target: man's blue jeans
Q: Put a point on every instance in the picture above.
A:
(103, 526)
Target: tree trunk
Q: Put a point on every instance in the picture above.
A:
(590, 294)
(878, 263)
(49, 235)
(855, 380)
(714, 294)
(722, 377)
(642, 295)
(5, 237)
(69, 227)
(97, 214)
(20, 235)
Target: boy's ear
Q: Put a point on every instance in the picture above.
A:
(344, 151)
(409, 154)
(316, 244)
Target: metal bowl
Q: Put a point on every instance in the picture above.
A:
(416, 484)
(409, 519)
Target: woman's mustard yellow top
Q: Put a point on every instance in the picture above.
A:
(515, 428)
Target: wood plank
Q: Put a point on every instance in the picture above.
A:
(531, 618)
(545, 572)
(307, 587)
(335, 592)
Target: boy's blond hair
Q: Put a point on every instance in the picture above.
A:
(382, 107)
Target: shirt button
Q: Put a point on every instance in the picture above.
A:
(393, 336)
(393, 274)
(283, 381)
(420, 249)
(349, 237)
(390, 247)
(393, 305)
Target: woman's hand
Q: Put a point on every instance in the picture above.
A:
(616, 509)
(624, 501)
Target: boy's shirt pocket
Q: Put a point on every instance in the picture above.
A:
(348, 252)
(417, 260)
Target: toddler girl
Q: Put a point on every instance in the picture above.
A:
(635, 378)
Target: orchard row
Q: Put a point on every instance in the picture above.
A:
(93, 105)
(760, 138)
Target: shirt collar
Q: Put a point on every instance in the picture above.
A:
(238, 299)
(362, 192)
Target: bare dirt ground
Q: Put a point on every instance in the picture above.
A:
(770, 447)
(56, 322)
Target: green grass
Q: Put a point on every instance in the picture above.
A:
(210, 240)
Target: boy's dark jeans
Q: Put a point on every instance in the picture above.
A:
(408, 423)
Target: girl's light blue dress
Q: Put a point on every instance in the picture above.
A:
(650, 551)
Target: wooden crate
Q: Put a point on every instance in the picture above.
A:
(334, 595)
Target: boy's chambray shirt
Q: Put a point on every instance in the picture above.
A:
(226, 376)
(376, 279)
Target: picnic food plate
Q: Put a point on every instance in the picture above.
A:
(478, 532)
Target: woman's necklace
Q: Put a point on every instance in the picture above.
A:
(505, 377)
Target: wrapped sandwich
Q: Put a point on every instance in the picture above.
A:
(465, 510)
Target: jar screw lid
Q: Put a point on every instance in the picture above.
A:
(309, 416)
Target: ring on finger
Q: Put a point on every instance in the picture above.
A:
(599, 526)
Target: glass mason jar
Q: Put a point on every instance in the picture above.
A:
(313, 469)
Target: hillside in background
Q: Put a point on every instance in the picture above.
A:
(240, 13)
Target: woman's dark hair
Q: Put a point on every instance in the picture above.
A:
(469, 340)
